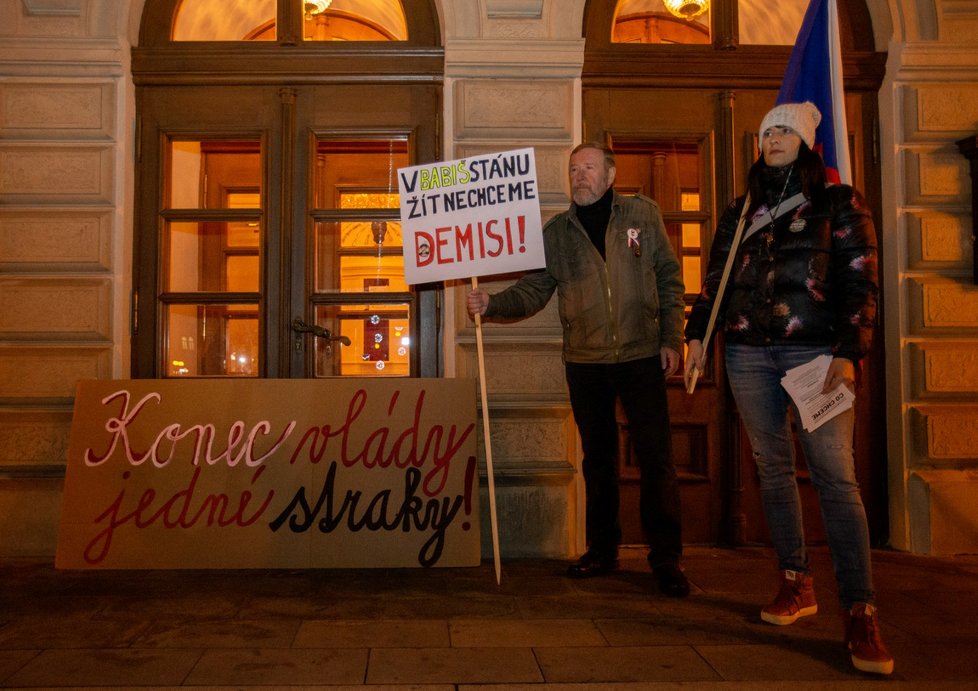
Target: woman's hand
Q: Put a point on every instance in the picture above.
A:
(477, 302)
(695, 360)
(841, 371)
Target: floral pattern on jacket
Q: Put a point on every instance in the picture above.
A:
(809, 278)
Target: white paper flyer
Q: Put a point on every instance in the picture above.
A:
(804, 385)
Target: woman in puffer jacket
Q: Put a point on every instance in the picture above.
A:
(803, 284)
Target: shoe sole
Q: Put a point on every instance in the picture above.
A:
(779, 620)
(885, 667)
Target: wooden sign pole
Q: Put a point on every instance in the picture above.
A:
(486, 438)
(718, 298)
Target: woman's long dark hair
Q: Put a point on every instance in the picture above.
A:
(811, 170)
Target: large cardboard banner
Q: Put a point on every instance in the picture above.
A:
(226, 473)
(471, 217)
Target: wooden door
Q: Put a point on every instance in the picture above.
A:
(268, 235)
(665, 147)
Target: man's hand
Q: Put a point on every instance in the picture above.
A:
(695, 360)
(670, 360)
(477, 302)
(841, 371)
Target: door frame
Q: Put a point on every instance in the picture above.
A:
(275, 71)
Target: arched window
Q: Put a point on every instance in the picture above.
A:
(650, 21)
(691, 21)
(258, 20)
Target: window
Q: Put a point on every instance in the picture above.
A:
(648, 21)
(359, 291)
(212, 220)
(759, 23)
(321, 20)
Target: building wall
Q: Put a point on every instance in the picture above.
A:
(928, 101)
(65, 242)
(512, 79)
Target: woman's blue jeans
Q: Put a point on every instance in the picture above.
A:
(755, 374)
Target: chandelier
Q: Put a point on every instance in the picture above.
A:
(314, 7)
(687, 9)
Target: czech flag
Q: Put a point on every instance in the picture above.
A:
(815, 74)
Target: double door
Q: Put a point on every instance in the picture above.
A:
(268, 241)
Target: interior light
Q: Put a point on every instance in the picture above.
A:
(314, 7)
(687, 9)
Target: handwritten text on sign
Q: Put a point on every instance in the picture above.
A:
(271, 473)
(471, 217)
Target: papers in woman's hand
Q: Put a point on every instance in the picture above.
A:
(804, 385)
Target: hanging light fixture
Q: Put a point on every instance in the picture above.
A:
(687, 9)
(314, 7)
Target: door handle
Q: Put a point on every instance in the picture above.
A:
(300, 327)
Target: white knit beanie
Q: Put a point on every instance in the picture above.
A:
(803, 118)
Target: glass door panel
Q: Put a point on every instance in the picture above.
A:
(359, 295)
(211, 340)
(212, 174)
(374, 340)
(212, 248)
(359, 256)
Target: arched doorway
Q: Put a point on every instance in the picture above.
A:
(266, 223)
(683, 118)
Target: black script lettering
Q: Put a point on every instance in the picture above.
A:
(381, 512)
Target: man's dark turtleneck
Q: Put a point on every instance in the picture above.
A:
(594, 217)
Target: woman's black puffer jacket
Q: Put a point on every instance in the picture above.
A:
(810, 278)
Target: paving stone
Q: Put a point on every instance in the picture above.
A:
(105, 668)
(624, 663)
(262, 667)
(540, 633)
(453, 665)
(393, 633)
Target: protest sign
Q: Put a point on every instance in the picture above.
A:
(471, 217)
(225, 473)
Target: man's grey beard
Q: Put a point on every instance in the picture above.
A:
(585, 197)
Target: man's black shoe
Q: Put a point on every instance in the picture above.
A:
(671, 579)
(591, 565)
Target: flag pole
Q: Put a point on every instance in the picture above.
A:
(486, 438)
(718, 298)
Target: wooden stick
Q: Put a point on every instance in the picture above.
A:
(718, 298)
(485, 436)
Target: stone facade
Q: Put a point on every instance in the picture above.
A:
(512, 79)
(928, 101)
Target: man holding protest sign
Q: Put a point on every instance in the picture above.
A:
(620, 298)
